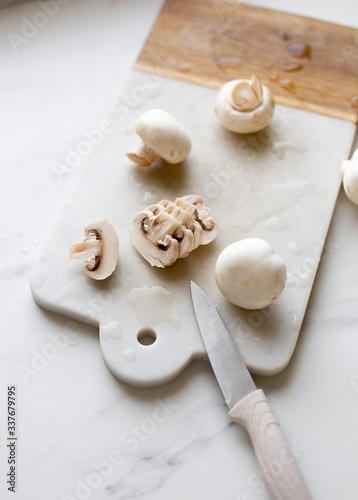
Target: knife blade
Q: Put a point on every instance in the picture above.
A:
(248, 405)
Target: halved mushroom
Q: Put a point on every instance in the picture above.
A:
(244, 106)
(162, 136)
(99, 249)
(169, 230)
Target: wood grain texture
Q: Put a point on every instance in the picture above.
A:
(210, 42)
(278, 464)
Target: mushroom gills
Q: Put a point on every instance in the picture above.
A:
(99, 249)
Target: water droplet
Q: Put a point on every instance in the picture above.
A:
(280, 148)
(294, 248)
(293, 67)
(43, 256)
(300, 49)
(274, 78)
(129, 355)
(111, 331)
(276, 224)
(225, 61)
(287, 84)
(8, 254)
(36, 243)
(265, 345)
(25, 251)
(293, 317)
(73, 343)
(305, 279)
(354, 101)
(183, 68)
(20, 232)
(283, 35)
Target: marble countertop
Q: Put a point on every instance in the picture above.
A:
(82, 433)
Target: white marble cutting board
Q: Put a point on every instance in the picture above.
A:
(280, 184)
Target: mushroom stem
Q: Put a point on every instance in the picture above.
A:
(246, 95)
(143, 155)
(86, 249)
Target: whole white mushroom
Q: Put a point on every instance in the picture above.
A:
(162, 136)
(244, 106)
(250, 274)
(349, 175)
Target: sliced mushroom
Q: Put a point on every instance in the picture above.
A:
(159, 253)
(244, 106)
(169, 230)
(209, 227)
(162, 136)
(99, 249)
(197, 231)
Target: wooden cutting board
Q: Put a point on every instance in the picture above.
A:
(280, 184)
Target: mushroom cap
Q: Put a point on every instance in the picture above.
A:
(110, 245)
(349, 173)
(243, 122)
(164, 135)
(250, 274)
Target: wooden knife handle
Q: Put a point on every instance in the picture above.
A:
(278, 464)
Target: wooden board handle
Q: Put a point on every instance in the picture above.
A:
(278, 464)
(307, 64)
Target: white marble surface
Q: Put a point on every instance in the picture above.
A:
(77, 425)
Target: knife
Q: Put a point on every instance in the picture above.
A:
(248, 405)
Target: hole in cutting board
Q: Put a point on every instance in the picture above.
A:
(146, 336)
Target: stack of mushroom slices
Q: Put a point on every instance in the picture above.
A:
(168, 231)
